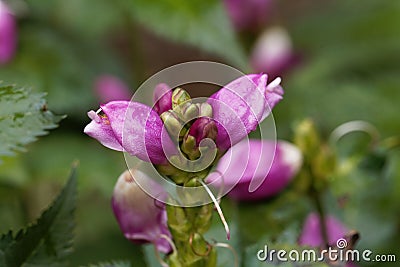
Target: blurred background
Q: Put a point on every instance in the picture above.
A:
(339, 61)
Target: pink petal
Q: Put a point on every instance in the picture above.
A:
(162, 98)
(312, 231)
(8, 34)
(140, 219)
(273, 52)
(251, 161)
(241, 105)
(132, 127)
(141, 132)
(110, 88)
(99, 128)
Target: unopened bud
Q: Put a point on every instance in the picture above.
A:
(178, 223)
(162, 98)
(202, 128)
(173, 124)
(179, 96)
(307, 139)
(205, 110)
(203, 220)
(199, 245)
(139, 218)
(190, 112)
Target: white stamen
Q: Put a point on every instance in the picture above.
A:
(274, 83)
(219, 210)
(94, 116)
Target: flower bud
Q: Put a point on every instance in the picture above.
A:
(312, 231)
(8, 34)
(139, 218)
(307, 138)
(178, 222)
(109, 88)
(162, 98)
(179, 96)
(199, 245)
(188, 111)
(311, 235)
(248, 14)
(273, 166)
(273, 52)
(202, 128)
(205, 110)
(173, 124)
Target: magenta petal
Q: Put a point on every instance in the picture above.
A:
(99, 128)
(312, 231)
(273, 52)
(140, 219)
(248, 14)
(162, 98)
(241, 105)
(140, 130)
(251, 161)
(8, 34)
(132, 127)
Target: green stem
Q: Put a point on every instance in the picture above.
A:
(187, 225)
(321, 213)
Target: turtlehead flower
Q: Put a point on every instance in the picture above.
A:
(273, 52)
(109, 88)
(248, 14)
(226, 117)
(140, 219)
(312, 232)
(8, 34)
(257, 156)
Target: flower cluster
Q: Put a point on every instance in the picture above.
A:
(176, 126)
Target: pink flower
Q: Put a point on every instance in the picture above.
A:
(110, 88)
(312, 232)
(8, 34)
(257, 156)
(140, 219)
(273, 52)
(248, 14)
(236, 110)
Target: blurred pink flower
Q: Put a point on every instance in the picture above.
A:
(248, 14)
(110, 88)
(273, 52)
(8, 34)
(312, 232)
(140, 219)
(257, 155)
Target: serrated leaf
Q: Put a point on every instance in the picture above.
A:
(202, 23)
(111, 264)
(49, 240)
(23, 117)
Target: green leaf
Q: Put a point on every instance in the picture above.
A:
(202, 23)
(23, 117)
(49, 240)
(111, 264)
